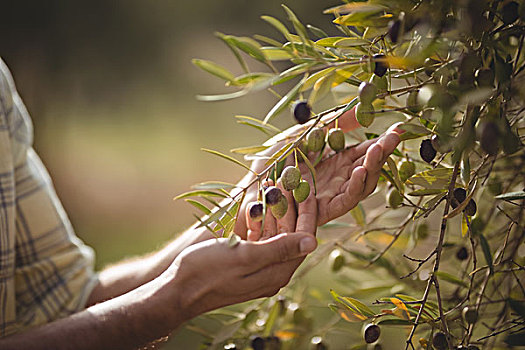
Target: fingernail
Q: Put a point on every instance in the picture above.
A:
(307, 245)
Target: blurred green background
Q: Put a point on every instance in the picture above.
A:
(111, 90)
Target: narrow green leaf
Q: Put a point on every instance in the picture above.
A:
(199, 206)
(284, 102)
(223, 97)
(213, 185)
(276, 54)
(286, 149)
(318, 32)
(397, 181)
(310, 167)
(199, 193)
(231, 159)
(511, 196)
(214, 69)
(394, 322)
(270, 321)
(451, 278)
(267, 127)
(486, 252)
(249, 149)
(426, 192)
(278, 25)
(234, 50)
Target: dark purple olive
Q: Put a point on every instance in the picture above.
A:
(272, 195)
(427, 151)
(381, 64)
(301, 111)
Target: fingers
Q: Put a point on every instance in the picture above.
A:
(373, 163)
(281, 248)
(352, 194)
(307, 210)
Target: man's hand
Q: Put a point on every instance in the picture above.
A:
(343, 179)
(211, 274)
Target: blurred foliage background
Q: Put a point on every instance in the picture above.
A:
(111, 90)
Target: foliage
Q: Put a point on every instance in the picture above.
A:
(454, 76)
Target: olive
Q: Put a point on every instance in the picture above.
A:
(439, 341)
(336, 139)
(279, 210)
(462, 254)
(470, 315)
(489, 138)
(459, 195)
(372, 333)
(427, 151)
(256, 211)
(337, 259)
(394, 198)
(381, 64)
(258, 343)
(471, 208)
(303, 146)
(364, 114)
(290, 178)
(302, 191)
(394, 29)
(485, 77)
(367, 92)
(301, 111)
(315, 139)
(406, 170)
(510, 12)
(272, 195)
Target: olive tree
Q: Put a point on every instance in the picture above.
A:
(444, 231)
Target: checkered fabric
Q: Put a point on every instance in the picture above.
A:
(46, 272)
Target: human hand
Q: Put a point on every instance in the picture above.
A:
(343, 179)
(211, 274)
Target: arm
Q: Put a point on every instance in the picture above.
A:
(193, 284)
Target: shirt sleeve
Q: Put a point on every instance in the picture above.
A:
(46, 272)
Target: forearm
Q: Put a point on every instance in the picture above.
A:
(126, 276)
(127, 322)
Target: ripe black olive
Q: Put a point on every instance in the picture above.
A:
(427, 151)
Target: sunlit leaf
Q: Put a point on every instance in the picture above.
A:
(266, 127)
(249, 150)
(199, 206)
(213, 68)
(213, 185)
(435, 178)
(227, 157)
(511, 196)
(200, 193)
(426, 192)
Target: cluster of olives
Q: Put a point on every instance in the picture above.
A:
(368, 91)
(315, 140)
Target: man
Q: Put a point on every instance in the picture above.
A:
(50, 297)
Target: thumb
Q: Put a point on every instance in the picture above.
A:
(284, 247)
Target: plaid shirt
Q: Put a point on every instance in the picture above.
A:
(46, 272)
